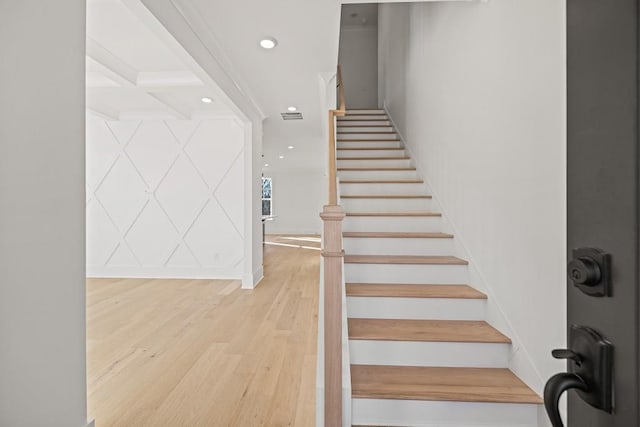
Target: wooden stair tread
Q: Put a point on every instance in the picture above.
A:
(393, 214)
(407, 290)
(371, 148)
(364, 132)
(495, 385)
(376, 169)
(396, 235)
(385, 196)
(364, 126)
(368, 140)
(382, 181)
(375, 158)
(368, 119)
(469, 331)
(404, 259)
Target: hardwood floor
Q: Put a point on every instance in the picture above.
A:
(205, 352)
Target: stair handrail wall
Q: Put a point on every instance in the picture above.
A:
(333, 264)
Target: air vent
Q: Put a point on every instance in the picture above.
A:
(291, 116)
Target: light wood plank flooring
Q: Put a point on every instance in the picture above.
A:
(204, 352)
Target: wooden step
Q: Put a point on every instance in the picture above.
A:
(372, 118)
(364, 126)
(371, 132)
(440, 384)
(399, 290)
(376, 169)
(385, 196)
(383, 181)
(393, 214)
(368, 140)
(375, 158)
(404, 259)
(370, 148)
(396, 235)
(424, 330)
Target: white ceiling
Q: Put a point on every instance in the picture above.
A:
(307, 32)
(133, 74)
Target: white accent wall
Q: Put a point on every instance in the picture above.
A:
(477, 91)
(165, 198)
(298, 197)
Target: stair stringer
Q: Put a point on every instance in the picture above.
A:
(520, 360)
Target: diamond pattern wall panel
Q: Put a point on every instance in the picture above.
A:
(165, 198)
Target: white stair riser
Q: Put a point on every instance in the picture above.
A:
(377, 174)
(406, 273)
(389, 412)
(372, 136)
(367, 111)
(398, 246)
(416, 353)
(349, 127)
(382, 188)
(416, 308)
(376, 163)
(367, 122)
(351, 117)
(385, 223)
(369, 143)
(371, 153)
(386, 205)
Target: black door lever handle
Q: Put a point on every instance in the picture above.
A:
(553, 389)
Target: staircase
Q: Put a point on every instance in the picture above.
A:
(421, 352)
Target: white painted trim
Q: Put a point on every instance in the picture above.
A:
(91, 423)
(250, 281)
(520, 360)
(205, 273)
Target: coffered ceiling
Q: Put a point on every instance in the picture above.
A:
(133, 73)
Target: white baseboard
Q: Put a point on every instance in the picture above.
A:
(163, 273)
(91, 423)
(250, 281)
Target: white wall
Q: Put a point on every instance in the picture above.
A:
(477, 91)
(298, 197)
(42, 226)
(165, 198)
(358, 56)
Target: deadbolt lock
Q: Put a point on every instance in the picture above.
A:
(590, 271)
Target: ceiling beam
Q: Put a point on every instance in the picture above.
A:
(112, 66)
(170, 103)
(149, 82)
(103, 112)
(152, 80)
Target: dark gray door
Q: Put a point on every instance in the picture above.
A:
(602, 178)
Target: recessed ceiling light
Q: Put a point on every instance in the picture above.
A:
(206, 100)
(290, 147)
(292, 108)
(282, 157)
(268, 42)
(266, 165)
